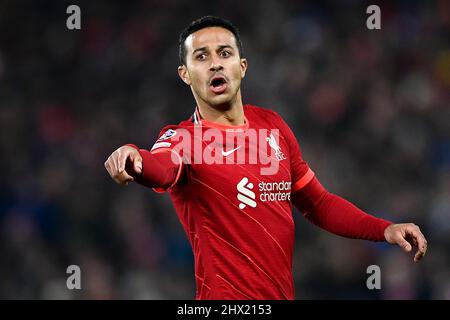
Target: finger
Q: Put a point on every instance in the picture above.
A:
(113, 172)
(124, 178)
(417, 237)
(112, 162)
(421, 244)
(108, 167)
(405, 245)
(419, 255)
(121, 161)
(111, 168)
(137, 164)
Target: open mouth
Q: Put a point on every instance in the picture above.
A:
(218, 84)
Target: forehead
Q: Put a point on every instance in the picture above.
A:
(210, 37)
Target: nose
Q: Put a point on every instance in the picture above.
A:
(215, 65)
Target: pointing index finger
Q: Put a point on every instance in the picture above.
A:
(122, 159)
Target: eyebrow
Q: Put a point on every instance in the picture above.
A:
(220, 48)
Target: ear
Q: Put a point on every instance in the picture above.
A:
(244, 65)
(184, 74)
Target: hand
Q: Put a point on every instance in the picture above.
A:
(116, 162)
(407, 235)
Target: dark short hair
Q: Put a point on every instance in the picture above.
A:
(202, 23)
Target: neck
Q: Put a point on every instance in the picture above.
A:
(231, 114)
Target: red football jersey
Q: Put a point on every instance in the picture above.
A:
(232, 196)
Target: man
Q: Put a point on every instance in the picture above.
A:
(237, 217)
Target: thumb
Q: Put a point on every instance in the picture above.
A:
(404, 244)
(138, 164)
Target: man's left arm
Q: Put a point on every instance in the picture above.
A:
(339, 216)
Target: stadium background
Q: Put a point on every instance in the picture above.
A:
(370, 109)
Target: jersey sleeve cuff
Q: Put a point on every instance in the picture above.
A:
(180, 166)
(303, 181)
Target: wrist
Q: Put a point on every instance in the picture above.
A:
(386, 231)
(131, 145)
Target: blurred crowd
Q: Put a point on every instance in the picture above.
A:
(370, 108)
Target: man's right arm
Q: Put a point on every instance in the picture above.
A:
(155, 170)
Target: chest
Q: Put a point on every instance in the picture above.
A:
(255, 163)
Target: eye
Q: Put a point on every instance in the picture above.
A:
(225, 54)
(201, 57)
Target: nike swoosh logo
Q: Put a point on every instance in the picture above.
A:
(227, 153)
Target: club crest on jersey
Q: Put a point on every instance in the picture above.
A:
(274, 145)
(167, 135)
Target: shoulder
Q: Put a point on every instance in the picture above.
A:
(169, 135)
(268, 116)
(172, 130)
(272, 120)
(260, 111)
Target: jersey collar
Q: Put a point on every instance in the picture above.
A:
(197, 119)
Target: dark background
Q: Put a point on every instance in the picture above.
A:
(371, 110)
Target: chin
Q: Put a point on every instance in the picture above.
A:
(223, 102)
(224, 106)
